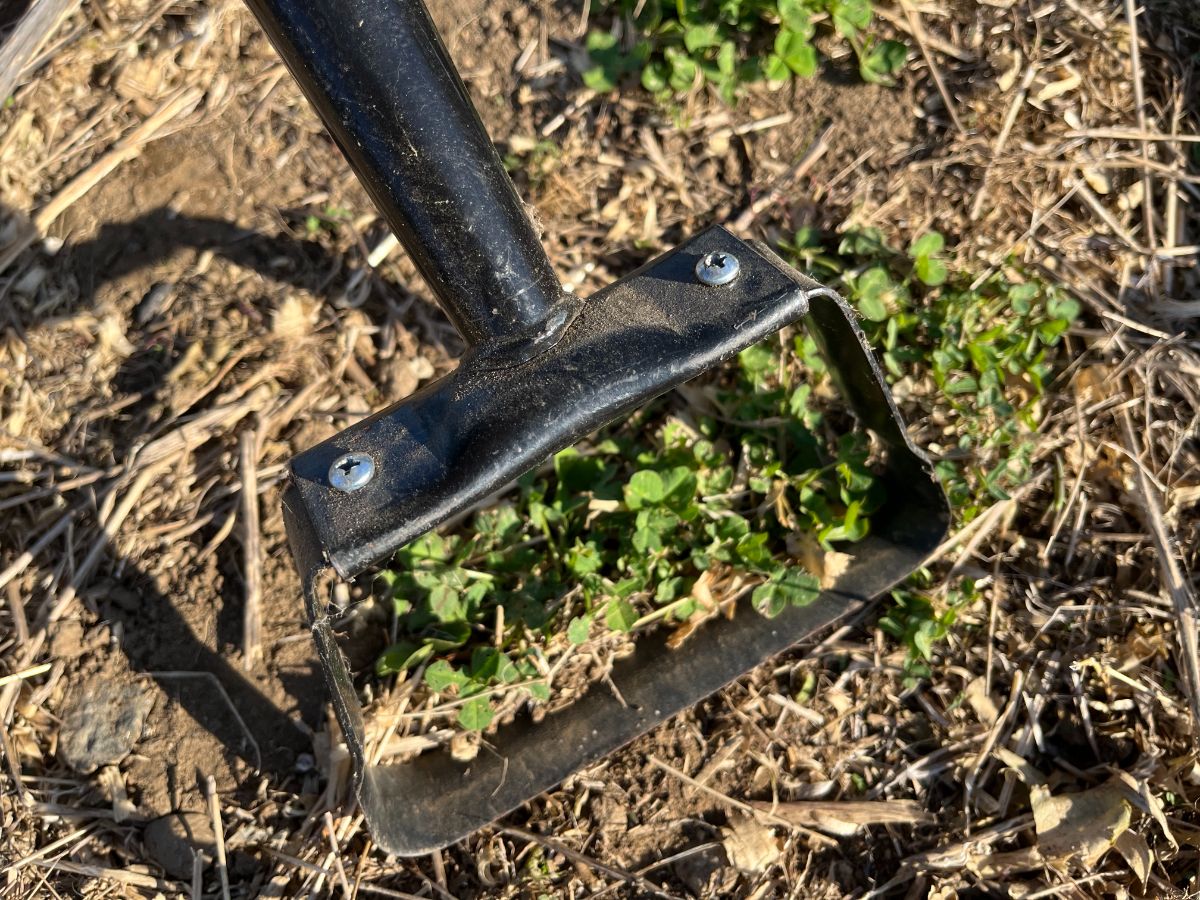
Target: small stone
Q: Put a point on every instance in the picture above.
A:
(172, 840)
(707, 873)
(305, 763)
(67, 639)
(464, 746)
(27, 285)
(422, 368)
(155, 302)
(102, 724)
(399, 379)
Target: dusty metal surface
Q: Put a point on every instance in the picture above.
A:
(489, 421)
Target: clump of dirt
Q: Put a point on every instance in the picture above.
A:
(101, 723)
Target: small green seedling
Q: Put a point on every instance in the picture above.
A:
(329, 219)
(921, 618)
(675, 47)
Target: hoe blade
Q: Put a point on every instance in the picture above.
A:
(462, 438)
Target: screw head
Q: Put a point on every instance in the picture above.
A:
(350, 471)
(717, 268)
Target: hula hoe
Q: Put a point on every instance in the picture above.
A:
(544, 370)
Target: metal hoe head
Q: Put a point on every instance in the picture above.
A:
(545, 369)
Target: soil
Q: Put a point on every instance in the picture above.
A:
(199, 241)
(226, 262)
(147, 226)
(206, 212)
(200, 191)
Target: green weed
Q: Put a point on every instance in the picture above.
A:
(677, 46)
(976, 356)
(329, 219)
(920, 617)
(614, 535)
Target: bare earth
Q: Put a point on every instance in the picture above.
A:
(219, 276)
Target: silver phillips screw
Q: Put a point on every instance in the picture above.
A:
(717, 268)
(350, 471)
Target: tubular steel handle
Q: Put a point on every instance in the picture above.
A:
(384, 85)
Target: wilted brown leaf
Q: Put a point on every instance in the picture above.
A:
(750, 845)
(1082, 826)
(1137, 853)
(707, 605)
(827, 565)
(845, 817)
(1079, 827)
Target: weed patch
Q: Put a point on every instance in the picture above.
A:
(974, 356)
(675, 515)
(675, 47)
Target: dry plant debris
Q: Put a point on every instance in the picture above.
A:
(186, 260)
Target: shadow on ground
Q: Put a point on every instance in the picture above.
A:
(179, 621)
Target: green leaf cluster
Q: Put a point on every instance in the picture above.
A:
(976, 353)
(674, 46)
(615, 534)
(920, 618)
(329, 219)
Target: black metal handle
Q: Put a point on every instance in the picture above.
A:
(384, 85)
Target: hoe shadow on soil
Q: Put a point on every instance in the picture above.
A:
(155, 633)
(155, 637)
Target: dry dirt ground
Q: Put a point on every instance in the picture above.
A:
(186, 302)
